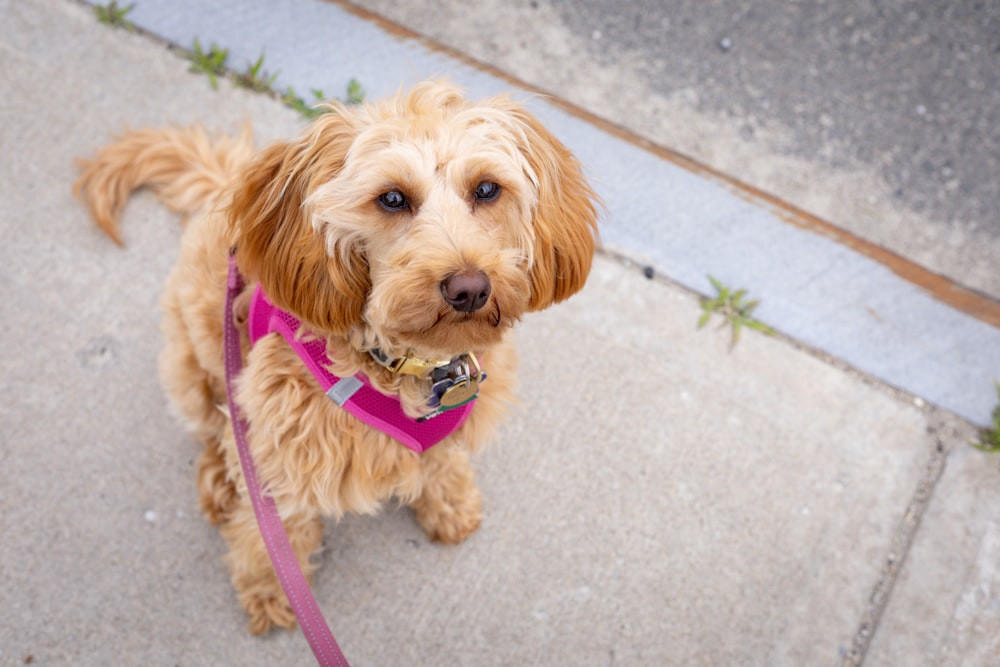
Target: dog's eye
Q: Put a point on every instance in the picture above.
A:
(487, 191)
(393, 201)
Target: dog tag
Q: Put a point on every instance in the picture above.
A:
(457, 383)
(461, 392)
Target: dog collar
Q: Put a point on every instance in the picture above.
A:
(454, 382)
(408, 365)
(355, 393)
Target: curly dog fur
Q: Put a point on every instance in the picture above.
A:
(354, 227)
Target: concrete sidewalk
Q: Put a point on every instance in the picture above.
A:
(661, 500)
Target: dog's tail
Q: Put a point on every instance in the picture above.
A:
(185, 167)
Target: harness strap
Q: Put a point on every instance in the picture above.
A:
(286, 565)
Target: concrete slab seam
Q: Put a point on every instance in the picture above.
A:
(899, 548)
(650, 272)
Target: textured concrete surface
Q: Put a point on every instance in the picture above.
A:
(945, 609)
(661, 499)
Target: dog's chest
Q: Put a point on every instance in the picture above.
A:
(309, 451)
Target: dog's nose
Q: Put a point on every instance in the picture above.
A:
(466, 291)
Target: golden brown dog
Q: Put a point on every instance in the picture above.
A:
(423, 226)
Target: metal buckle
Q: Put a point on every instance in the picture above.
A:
(407, 365)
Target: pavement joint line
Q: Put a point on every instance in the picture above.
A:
(936, 287)
(648, 272)
(899, 548)
(229, 73)
(958, 296)
(908, 526)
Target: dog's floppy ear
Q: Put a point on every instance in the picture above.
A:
(276, 241)
(565, 221)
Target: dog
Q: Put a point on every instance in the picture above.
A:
(398, 233)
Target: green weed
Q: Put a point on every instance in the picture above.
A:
(735, 312)
(255, 78)
(307, 109)
(211, 63)
(989, 438)
(113, 15)
(355, 93)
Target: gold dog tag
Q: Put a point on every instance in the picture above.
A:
(461, 383)
(460, 392)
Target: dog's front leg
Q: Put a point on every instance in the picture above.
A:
(253, 576)
(449, 507)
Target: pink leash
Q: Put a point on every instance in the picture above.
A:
(286, 565)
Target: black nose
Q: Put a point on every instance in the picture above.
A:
(466, 291)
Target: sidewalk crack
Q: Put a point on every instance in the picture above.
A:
(899, 548)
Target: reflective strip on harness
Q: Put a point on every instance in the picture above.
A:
(343, 390)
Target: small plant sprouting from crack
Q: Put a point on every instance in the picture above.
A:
(255, 78)
(295, 101)
(989, 438)
(113, 15)
(211, 62)
(735, 312)
(355, 93)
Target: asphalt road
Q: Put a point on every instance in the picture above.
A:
(881, 117)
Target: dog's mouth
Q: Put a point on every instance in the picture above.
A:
(453, 332)
(492, 317)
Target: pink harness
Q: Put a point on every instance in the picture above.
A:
(355, 394)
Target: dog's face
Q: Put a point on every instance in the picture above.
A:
(421, 224)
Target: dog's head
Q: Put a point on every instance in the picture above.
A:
(422, 223)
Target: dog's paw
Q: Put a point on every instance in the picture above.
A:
(266, 611)
(451, 520)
